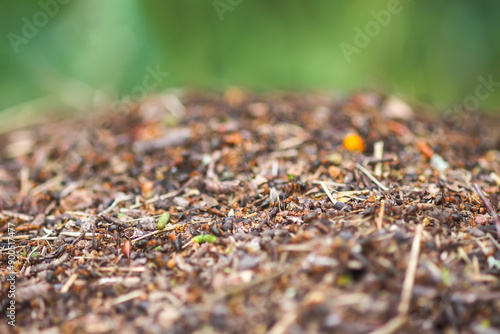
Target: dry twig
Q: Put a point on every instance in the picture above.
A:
(404, 304)
(371, 177)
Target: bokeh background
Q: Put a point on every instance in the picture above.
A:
(77, 53)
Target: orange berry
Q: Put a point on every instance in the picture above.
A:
(354, 142)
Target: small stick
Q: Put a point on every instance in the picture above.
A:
(69, 283)
(325, 188)
(113, 220)
(275, 165)
(47, 184)
(21, 216)
(117, 200)
(404, 304)
(391, 326)
(16, 237)
(351, 193)
(44, 238)
(78, 213)
(168, 228)
(177, 192)
(495, 177)
(378, 152)
(268, 218)
(381, 215)
(80, 237)
(371, 177)
(490, 208)
(494, 241)
(188, 243)
(129, 296)
(330, 183)
(24, 176)
(216, 212)
(374, 161)
(75, 234)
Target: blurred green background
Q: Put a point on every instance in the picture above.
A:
(73, 54)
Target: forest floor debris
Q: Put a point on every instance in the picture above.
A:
(283, 213)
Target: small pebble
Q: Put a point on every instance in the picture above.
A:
(339, 205)
(179, 201)
(148, 224)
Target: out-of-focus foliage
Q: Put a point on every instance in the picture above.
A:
(89, 50)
